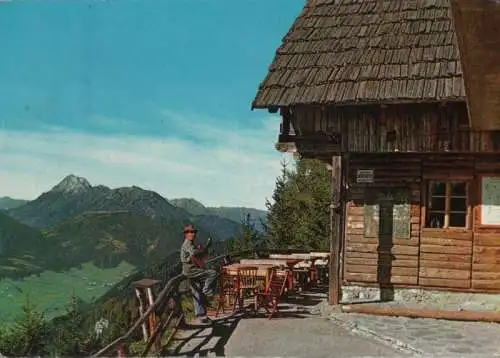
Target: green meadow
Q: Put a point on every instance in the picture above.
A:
(51, 291)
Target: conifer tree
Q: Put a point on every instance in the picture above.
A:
(312, 183)
(280, 223)
(71, 337)
(298, 217)
(29, 335)
(249, 239)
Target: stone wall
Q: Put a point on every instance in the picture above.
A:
(440, 300)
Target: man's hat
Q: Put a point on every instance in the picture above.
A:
(189, 228)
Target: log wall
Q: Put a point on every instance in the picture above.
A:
(486, 252)
(463, 259)
(413, 128)
(445, 255)
(406, 145)
(372, 259)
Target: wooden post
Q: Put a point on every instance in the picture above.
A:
(336, 223)
(145, 285)
(141, 312)
(152, 317)
(344, 208)
(120, 350)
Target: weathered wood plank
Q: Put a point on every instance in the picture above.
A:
(361, 255)
(404, 280)
(421, 131)
(440, 282)
(445, 265)
(424, 240)
(360, 277)
(486, 284)
(427, 272)
(486, 250)
(445, 257)
(489, 267)
(372, 278)
(413, 241)
(485, 275)
(430, 234)
(438, 249)
(395, 249)
(481, 239)
(376, 261)
(485, 259)
(373, 269)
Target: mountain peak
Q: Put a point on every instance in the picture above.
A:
(72, 184)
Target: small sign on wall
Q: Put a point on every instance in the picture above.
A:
(364, 176)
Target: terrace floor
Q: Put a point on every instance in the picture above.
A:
(308, 327)
(296, 332)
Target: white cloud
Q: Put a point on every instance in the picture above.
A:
(237, 169)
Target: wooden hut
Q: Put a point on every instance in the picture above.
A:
(381, 83)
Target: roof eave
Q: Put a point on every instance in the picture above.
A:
(274, 106)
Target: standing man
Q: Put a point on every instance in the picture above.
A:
(202, 279)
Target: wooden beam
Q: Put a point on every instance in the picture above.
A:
(424, 313)
(152, 318)
(141, 312)
(335, 231)
(314, 144)
(343, 198)
(338, 213)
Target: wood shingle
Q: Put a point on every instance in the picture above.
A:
(361, 51)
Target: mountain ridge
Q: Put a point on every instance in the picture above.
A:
(235, 213)
(6, 202)
(74, 195)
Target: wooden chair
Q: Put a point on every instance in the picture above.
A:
(247, 281)
(228, 289)
(273, 292)
(300, 276)
(322, 271)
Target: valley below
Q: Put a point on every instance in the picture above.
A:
(51, 291)
(79, 241)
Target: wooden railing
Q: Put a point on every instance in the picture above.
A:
(167, 292)
(168, 301)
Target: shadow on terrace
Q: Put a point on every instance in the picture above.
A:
(204, 340)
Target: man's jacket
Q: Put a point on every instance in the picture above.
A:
(188, 250)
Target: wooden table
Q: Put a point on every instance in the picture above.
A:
(303, 264)
(263, 270)
(314, 263)
(322, 255)
(263, 274)
(275, 262)
(290, 256)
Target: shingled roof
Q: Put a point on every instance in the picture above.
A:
(365, 51)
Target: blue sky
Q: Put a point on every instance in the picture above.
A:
(154, 93)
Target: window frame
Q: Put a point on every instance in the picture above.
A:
(448, 197)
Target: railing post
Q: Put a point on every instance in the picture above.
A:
(120, 350)
(146, 284)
